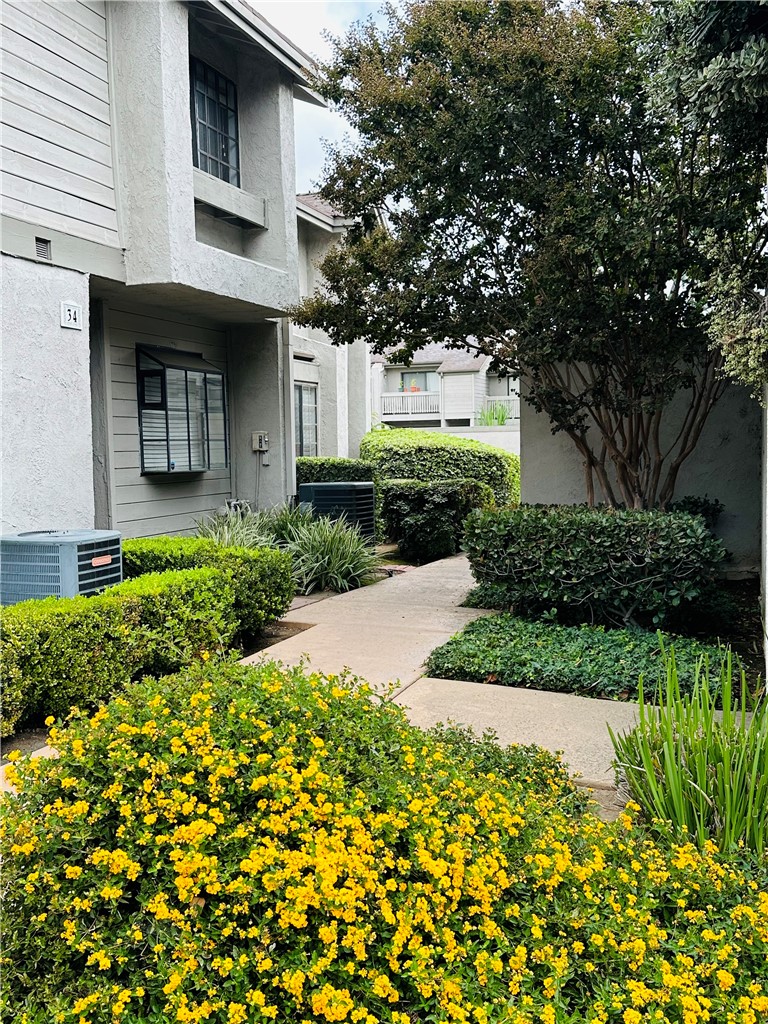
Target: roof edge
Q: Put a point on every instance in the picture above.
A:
(246, 19)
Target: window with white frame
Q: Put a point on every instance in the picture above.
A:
(215, 139)
(182, 412)
(419, 380)
(305, 418)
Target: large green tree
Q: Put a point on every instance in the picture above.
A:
(714, 72)
(537, 207)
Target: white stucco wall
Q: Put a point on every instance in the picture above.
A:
(47, 480)
(507, 438)
(726, 465)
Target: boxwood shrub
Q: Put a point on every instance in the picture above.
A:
(240, 844)
(261, 577)
(425, 455)
(587, 660)
(183, 614)
(427, 519)
(63, 651)
(610, 566)
(312, 469)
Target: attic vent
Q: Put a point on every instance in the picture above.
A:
(303, 359)
(43, 248)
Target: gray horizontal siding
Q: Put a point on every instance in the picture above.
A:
(57, 159)
(144, 506)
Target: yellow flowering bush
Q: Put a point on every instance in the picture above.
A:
(253, 844)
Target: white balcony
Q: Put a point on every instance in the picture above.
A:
(410, 404)
(501, 410)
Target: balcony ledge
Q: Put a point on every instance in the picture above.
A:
(227, 202)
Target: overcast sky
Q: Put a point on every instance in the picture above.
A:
(304, 22)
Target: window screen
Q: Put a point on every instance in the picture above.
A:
(305, 418)
(182, 413)
(215, 145)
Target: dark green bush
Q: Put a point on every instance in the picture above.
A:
(79, 650)
(612, 566)
(710, 509)
(318, 470)
(183, 614)
(427, 519)
(587, 660)
(425, 455)
(63, 651)
(261, 577)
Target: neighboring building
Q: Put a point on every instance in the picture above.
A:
(150, 252)
(447, 389)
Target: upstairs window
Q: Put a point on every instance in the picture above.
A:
(182, 412)
(215, 147)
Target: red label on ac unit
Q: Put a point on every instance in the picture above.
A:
(101, 560)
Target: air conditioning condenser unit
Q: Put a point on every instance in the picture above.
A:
(356, 502)
(60, 563)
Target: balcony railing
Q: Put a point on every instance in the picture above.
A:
(411, 403)
(500, 410)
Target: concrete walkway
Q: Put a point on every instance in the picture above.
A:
(384, 633)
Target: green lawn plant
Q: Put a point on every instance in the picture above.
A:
(588, 660)
(495, 414)
(699, 759)
(326, 554)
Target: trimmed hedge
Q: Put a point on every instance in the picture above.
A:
(406, 454)
(184, 614)
(427, 519)
(612, 566)
(588, 660)
(57, 652)
(64, 651)
(261, 577)
(319, 470)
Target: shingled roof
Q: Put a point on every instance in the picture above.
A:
(448, 360)
(316, 202)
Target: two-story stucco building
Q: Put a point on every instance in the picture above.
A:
(150, 252)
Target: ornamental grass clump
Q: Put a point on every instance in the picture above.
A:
(244, 844)
(330, 554)
(700, 759)
(326, 554)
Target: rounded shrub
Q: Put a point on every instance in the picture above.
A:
(425, 455)
(615, 566)
(427, 519)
